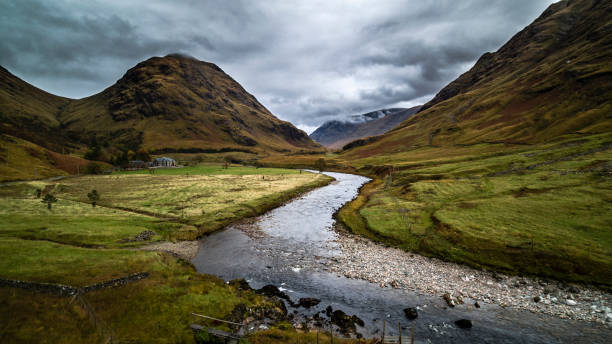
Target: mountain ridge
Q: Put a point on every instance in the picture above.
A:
(173, 102)
(335, 134)
(550, 79)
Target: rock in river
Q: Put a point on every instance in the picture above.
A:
(449, 300)
(308, 302)
(411, 313)
(271, 290)
(464, 323)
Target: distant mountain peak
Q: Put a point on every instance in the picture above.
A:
(335, 134)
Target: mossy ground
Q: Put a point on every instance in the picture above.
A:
(538, 209)
(77, 244)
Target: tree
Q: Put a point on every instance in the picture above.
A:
(94, 168)
(143, 155)
(49, 199)
(93, 197)
(227, 160)
(320, 164)
(93, 153)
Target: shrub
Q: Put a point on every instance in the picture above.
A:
(94, 168)
(93, 197)
(49, 199)
(320, 164)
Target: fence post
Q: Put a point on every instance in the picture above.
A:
(412, 334)
(399, 331)
(331, 332)
(384, 328)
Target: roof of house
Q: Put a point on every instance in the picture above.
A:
(163, 158)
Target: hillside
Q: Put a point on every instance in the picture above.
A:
(508, 167)
(552, 78)
(29, 112)
(335, 134)
(180, 104)
(172, 104)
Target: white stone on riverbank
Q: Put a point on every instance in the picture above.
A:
(392, 267)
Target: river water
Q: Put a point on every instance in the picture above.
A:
(285, 246)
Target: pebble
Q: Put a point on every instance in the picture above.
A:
(358, 258)
(363, 259)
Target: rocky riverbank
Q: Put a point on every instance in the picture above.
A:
(390, 267)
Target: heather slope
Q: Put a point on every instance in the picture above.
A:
(552, 78)
(177, 103)
(508, 167)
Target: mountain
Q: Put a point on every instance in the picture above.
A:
(335, 134)
(164, 104)
(28, 112)
(506, 168)
(552, 78)
(179, 104)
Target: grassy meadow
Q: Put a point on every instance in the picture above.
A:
(77, 244)
(538, 209)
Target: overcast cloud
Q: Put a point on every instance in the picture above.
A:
(306, 61)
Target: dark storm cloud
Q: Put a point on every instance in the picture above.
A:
(308, 61)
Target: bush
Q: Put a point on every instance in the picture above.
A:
(49, 199)
(320, 165)
(94, 168)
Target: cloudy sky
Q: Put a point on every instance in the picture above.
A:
(307, 61)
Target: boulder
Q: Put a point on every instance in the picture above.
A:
(272, 291)
(345, 323)
(464, 323)
(411, 313)
(449, 300)
(537, 299)
(308, 302)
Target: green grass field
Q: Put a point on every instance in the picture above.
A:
(215, 169)
(77, 244)
(541, 210)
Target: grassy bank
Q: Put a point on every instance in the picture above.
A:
(543, 210)
(77, 244)
(195, 200)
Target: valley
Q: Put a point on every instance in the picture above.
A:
(77, 244)
(482, 216)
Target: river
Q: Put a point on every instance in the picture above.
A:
(291, 246)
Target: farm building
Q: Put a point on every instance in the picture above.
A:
(164, 162)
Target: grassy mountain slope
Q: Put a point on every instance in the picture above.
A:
(509, 166)
(335, 134)
(29, 112)
(178, 103)
(552, 78)
(173, 104)
(23, 160)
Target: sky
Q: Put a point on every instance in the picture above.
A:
(306, 61)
